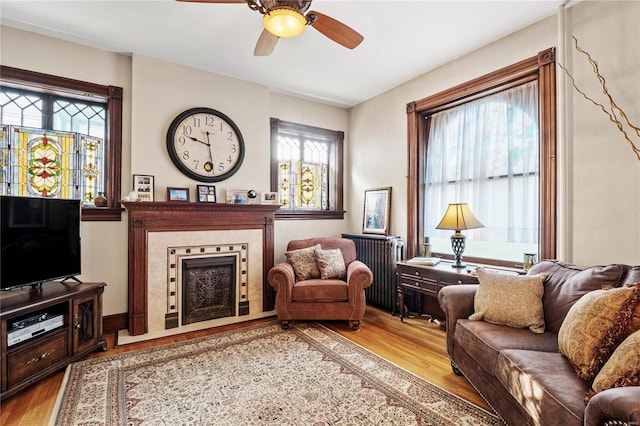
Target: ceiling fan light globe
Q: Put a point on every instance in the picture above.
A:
(285, 22)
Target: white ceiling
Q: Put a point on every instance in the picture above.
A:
(402, 39)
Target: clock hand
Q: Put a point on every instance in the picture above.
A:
(198, 140)
(209, 145)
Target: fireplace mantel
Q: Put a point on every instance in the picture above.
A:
(145, 217)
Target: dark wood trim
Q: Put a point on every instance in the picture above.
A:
(540, 67)
(145, 217)
(309, 214)
(115, 322)
(336, 209)
(78, 89)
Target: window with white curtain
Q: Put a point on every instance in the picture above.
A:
(486, 153)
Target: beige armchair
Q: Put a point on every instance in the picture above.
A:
(305, 293)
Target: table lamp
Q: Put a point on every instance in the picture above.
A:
(458, 217)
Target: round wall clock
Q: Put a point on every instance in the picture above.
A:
(205, 144)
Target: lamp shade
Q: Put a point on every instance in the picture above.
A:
(284, 22)
(458, 217)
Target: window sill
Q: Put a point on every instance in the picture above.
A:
(100, 214)
(309, 214)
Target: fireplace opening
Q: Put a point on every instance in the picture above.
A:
(208, 288)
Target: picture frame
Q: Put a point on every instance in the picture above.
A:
(143, 185)
(177, 194)
(206, 193)
(269, 198)
(237, 196)
(377, 209)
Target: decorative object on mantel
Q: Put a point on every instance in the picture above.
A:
(206, 193)
(237, 196)
(143, 186)
(252, 195)
(457, 218)
(614, 112)
(178, 194)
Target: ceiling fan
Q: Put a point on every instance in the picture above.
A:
(289, 18)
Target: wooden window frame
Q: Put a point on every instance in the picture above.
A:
(46, 83)
(337, 212)
(540, 67)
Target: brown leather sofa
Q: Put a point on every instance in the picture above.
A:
(522, 375)
(317, 298)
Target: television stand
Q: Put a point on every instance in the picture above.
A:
(76, 313)
(72, 277)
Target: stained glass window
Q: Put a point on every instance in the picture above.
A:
(64, 163)
(307, 167)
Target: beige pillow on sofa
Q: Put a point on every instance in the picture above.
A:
(331, 264)
(595, 325)
(513, 300)
(623, 368)
(304, 263)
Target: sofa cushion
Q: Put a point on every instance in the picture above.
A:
(304, 262)
(632, 276)
(318, 290)
(566, 283)
(511, 300)
(483, 341)
(594, 327)
(544, 384)
(331, 264)
(622, 368)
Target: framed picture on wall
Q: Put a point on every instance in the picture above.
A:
(143, 186)
(377, 208)
(206, 193)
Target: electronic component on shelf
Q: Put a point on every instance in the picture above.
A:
(22, 334)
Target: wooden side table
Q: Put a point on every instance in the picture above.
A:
(428, 280)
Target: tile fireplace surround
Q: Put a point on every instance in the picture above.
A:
(158, 229)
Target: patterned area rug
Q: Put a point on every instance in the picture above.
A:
(261, 375)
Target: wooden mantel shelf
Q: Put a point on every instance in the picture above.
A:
(145, 217)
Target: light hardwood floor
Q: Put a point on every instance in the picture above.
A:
(415, 345)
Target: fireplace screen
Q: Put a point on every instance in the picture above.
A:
(208, 288)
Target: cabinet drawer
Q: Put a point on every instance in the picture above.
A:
(446, 280)
(420, 273)
(31, 359)
(427, 285)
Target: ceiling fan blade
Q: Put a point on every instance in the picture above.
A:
(213, 1)
(266, 43)
(335, 30)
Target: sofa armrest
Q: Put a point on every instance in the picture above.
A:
(282, 278)
(359, 275)
(456, 301)
(621, 404)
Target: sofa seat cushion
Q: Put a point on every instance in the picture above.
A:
(544, 383)
(319, 290)
(483, 341)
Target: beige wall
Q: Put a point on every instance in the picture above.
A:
(602, 176)
(154, 93)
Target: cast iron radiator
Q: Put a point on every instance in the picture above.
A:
(380, 254)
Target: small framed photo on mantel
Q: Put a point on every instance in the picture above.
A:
(143, 187)
(206, 193)
(178, 194)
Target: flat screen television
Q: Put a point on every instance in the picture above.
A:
(39, 240)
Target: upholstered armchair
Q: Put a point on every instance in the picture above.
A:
(319, 282)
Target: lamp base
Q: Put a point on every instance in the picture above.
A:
(457, 244)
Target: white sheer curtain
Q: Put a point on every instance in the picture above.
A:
(486, 153)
